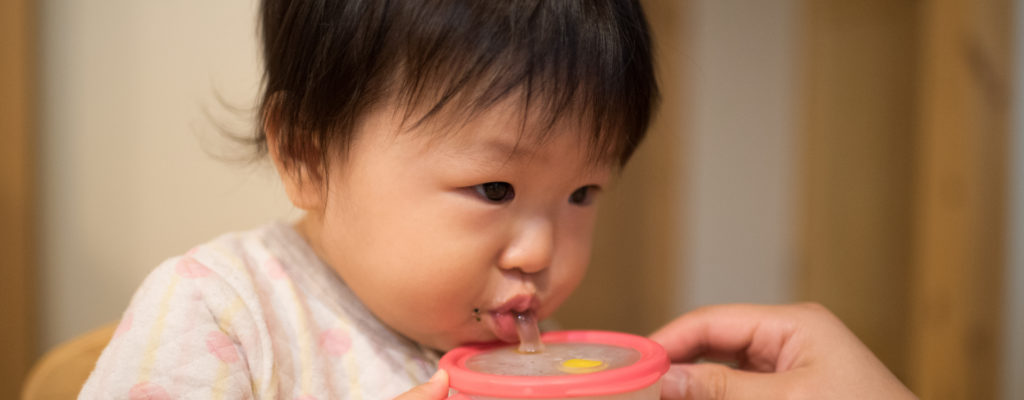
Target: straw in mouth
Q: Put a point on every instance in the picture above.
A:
(529, 333)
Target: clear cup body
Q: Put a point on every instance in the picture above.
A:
(652, 392)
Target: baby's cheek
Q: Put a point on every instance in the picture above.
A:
(430, 299)
(564, 280)
(436, 318)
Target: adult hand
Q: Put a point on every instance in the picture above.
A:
(436, 388)
(792, 351)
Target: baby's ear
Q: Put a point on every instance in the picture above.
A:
(305, 190)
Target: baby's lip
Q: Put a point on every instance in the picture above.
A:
(519, 303)
(502, 319)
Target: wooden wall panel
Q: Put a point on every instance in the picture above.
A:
(961, 191)
(858, 156)
(17, 283)
(905, 139)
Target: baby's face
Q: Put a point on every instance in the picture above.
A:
(444, 238)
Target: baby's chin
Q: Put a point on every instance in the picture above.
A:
(448, 341)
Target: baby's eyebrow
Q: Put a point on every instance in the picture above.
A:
(495, 153)
(506, 149)
(494, 149)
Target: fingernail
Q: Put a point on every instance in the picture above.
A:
(681, 383)
(437, 375)
(674, 384)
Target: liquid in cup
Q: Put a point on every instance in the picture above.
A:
(573, 365)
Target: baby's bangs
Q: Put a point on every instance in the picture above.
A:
(563, 60)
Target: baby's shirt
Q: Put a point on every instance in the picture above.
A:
(253, 315)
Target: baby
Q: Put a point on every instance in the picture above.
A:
(448, 156)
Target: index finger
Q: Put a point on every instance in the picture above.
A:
(753, 335)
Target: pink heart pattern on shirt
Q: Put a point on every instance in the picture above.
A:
(335, 342)
(148, 391)
(189, 268)
(220, 345)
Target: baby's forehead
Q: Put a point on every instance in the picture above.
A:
(511, 137)
(508, 130)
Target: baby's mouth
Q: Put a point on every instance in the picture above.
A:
(503, 325)
(502, 319)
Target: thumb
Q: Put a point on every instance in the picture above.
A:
(716, 382)
(436, 388)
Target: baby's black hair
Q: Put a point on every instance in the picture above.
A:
(329, 62)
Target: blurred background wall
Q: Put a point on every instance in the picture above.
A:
(741, 152)
(128, 100)
(857, 154)
(1013, 363)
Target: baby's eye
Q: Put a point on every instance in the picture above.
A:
(498, 192)
(582, 196)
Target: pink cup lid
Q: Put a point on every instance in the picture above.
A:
(653, 363)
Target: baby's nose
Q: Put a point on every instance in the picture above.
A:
(532, 248)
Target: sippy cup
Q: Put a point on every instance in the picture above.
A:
(572, 365)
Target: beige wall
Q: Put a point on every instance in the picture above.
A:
(740, 160)
(125, 176)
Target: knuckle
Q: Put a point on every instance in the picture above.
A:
(706, 309)
(717, 383)
(812, 307)
(801, 392)
(790, 391)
